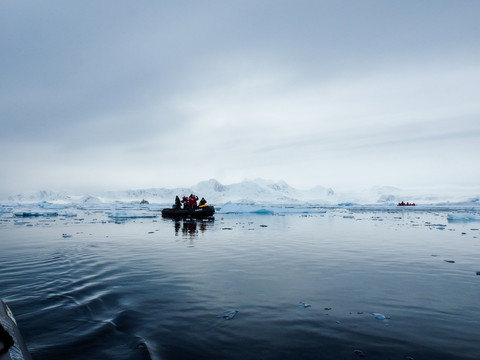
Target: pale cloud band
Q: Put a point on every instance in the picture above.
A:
(167, 94)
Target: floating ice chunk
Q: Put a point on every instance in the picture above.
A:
(359, 353)
(228, 315)
(51, 206)
(463, 217)
(32, 213)
(130, 215)
(264, 211)
(380, 317)
(68, 214)
(304, 305)
(268, 209)
(231, 208)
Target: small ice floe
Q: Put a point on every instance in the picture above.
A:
(68, 214)
(231, 208)
(348, 217)
(359, 353)
(459, 216)
(66, 235)
(304, 305)
(435, 225)
(380, 317)
(32, 213)
(228, 315)
(130, 215)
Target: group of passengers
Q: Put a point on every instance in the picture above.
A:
(406, 204)
(188, 203)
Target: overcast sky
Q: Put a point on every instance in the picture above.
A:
(132, 94)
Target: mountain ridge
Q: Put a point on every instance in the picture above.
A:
(257, 190)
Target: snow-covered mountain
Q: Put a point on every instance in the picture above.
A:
(43, 195)
(258, 190)
(262, 191)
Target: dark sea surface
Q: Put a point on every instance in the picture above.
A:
(391, 284)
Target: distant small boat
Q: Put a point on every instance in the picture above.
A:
(144, 202)
(198, 212)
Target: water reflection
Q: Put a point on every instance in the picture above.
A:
(191, 227)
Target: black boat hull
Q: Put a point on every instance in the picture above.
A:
(199, 212)
(12, 345)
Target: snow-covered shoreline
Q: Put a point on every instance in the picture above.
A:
(260, 191)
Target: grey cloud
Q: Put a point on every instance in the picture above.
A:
(81, 77)
(427, 134)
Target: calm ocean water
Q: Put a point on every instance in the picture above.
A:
(375, 284)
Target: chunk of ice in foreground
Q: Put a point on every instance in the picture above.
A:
(229, 315)
(380, 317)
(302, 304)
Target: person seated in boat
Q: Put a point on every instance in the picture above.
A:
(192, 201)
(203, 201)
(185, 202)
(178, 204)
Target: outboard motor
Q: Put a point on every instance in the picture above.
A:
(12, 346)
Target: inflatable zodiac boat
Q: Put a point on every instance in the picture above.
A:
(12, 346)
(201, 211)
